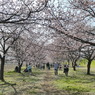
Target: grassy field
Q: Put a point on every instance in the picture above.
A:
(78, 82)
(44, 82)
(21, 84)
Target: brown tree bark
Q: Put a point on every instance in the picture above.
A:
(88, 67)
(2, 68)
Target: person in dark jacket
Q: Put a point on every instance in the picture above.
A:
(48, 66)
(66, 69)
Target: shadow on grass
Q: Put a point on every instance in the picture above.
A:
(77, 83)
(10, 84)
(92, 75)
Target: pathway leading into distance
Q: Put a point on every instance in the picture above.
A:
(48, 86)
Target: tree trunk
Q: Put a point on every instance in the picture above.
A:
(2, 68)
(72, 64)
(88, 67)
(19, 68)
(74, 68)
(0, 71)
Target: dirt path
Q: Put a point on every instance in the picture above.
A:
(48, 86)
(42, 85)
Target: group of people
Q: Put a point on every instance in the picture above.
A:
(55, 65)
(28, 68)
(65, 70)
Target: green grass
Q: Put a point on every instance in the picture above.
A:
(24, 82)
(83, 62)
(77, 81)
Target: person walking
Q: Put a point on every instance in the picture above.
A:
(56, 68)
(66, 69)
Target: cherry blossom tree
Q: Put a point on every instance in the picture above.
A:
(88, 52)
(7, 38)
(14, 15)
